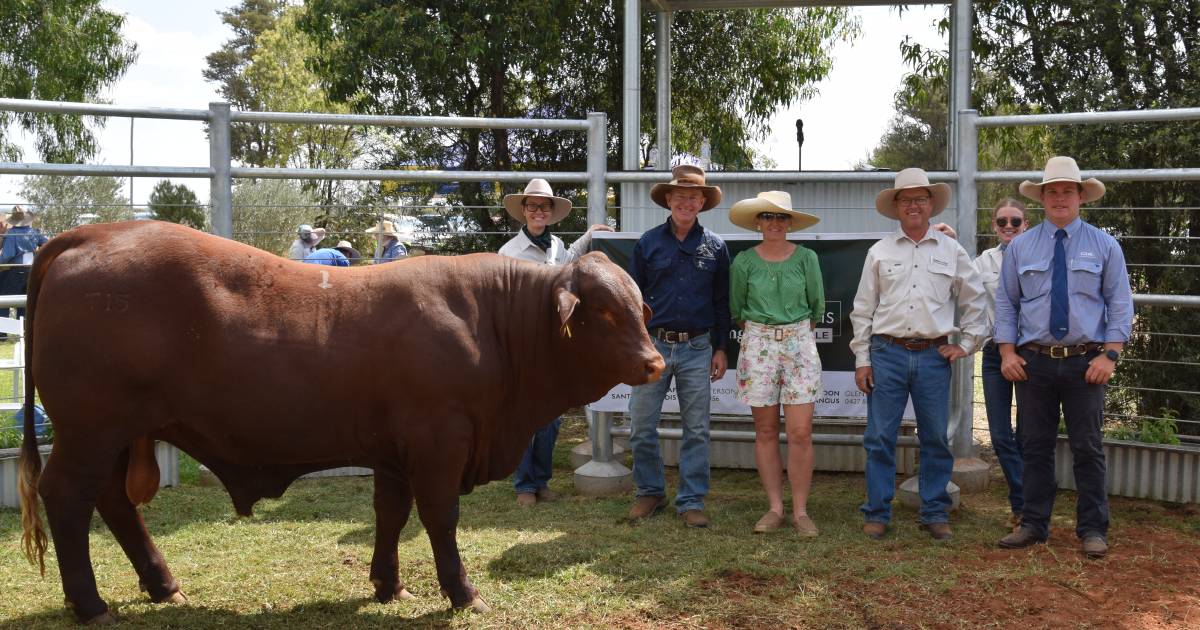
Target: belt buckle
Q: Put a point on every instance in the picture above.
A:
(667, 334)
(1055, 355)
(913, 344)
(778, 334)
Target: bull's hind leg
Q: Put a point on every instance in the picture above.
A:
(393, 503)
(129, 529)
(70, 486)
(437, 505)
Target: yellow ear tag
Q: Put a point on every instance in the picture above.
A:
(565, 330)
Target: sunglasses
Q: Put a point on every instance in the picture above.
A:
(1003, 221)
(774, 216)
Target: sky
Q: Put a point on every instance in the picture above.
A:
(842, 124)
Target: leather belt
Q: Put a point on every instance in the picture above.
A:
(676, 336)
(1062, 352)
(915, 344)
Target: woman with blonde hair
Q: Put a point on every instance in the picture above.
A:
(777, 294)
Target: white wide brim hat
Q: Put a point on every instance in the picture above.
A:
(1063, 169)
(537, 188)
(744, 213)
(885, 201)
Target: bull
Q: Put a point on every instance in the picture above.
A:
(435, 372)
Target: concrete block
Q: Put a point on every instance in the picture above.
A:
(971, 474)
(909, 494)
(602, 479)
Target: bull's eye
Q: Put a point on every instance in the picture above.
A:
(608, 317)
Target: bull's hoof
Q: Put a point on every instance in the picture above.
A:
(103, 619)
(174, 598)
(403, 595)
(385, 594)
(477, 605)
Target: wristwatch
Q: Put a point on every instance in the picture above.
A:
(1112, 355)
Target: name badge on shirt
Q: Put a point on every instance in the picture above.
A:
(938, 263)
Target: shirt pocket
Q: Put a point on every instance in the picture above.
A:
(704, 264)
(892, 276)
(941, 279)
(991, 281)
(1085, 278)
(1034, 279)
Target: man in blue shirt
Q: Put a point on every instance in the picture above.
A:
(341, 255)
(1064, 311)
(682, 269)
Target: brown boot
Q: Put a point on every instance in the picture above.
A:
(526, 499)
(939, 531)
(545, 494)
(874, 530)
(645, 507)
(694, 518)
(1021, 537)
(1094, 547)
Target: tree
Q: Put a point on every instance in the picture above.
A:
(528, 58)
(266, 212)
(177, 204)
(58, 50)
(63, 202)
(1072, 56)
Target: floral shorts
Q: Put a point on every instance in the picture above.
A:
(778, 364)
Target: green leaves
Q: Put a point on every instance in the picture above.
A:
(177, 204)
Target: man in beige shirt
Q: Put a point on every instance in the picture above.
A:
(903, 316)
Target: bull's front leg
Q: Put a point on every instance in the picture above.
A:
(393, 503)
(437, 506)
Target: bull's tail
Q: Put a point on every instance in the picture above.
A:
(33, 535)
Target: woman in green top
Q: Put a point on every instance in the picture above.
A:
(776, 295)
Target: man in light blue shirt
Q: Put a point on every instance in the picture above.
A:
(1064, 311)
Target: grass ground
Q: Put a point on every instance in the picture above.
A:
(302, 561)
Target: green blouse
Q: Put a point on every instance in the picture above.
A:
(776, 293)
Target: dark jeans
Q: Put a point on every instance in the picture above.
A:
(537, 464)
(1055, 384)
(997, 397)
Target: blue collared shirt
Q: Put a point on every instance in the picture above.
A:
(1101, 303)
(18, 241)
(328, 256)
(685, 283)
(394, 251)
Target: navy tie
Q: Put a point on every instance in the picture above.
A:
(1060, 311)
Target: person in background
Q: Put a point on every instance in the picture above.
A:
(307, 239)
(1064, 311)
(903, 316)
(341, 255)
(1008, 221)
(537, 208)
(21, 241)
(776, 292)
(388, 240)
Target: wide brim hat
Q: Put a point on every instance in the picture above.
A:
(388, 229)
(19, 217)
(537, 188)
(1063, 169)
(686, 176)
(885, 201)
(744, 213)
(346, 248)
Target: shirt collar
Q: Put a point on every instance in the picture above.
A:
(1072, 228)
(691, 241)
(929, 235)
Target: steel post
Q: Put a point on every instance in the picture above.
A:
(962, 406)
(662, 93)
(219, 158)
(631, 91)
(597, 167)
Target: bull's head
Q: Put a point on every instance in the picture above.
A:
(601, 313)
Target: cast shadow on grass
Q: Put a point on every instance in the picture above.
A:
(358, 613)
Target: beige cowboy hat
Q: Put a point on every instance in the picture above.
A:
(348, 250)
(1063, 169)
(885, 201)
(537, 188)
(19, 217)
(389, 229)
(686, 176)
(744, 213)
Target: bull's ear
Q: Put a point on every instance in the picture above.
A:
(647, 314)
(567, 302)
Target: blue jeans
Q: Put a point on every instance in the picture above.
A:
(899, 373)
(689, 364)
(1054, 385)
(537, 464)
(997, 398)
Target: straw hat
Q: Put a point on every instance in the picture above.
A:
(389, 229)
(537, 188)
(346, 248)
(19, 217)
(1063, 169)
(885, 201)
(686, 176)
(318, 234)
(744, 213)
